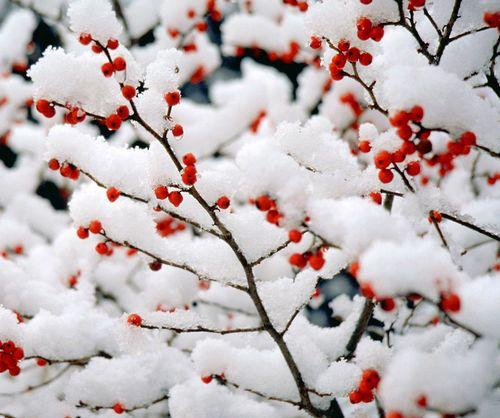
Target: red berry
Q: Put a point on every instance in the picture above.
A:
(175, 198)
(417, 113)
(344, 45)
(371, 377)
(44, 107)
(295, 235)
(118, 408)
(18, 353)
(177, 130)
(123, 112)
(365, 58)
(468, 138)
(96, 48)
(14, 371)
(400, 119)
(161, 192)
(365, 1)
(339, 60)
(355, 397)
(352, 54)
(405, 132)
(134, 319)
(382, 159)
(113, 43)
(263, 203)
(376, 197)
(82, 232)
(385, 176)
(119, 64)
(189, 159)
(41, 362)
(421, 401)
(424, 146)
(315, 42)
(102, 248)
(407, 148)
(364, 146)
(107, 69)
(398, 156)
(387, 304)
(367, 396)
(450, 303)
(298, 260)
(377, 33)
(173, 98)
(201, 26)
(113, 122)
(223, 202)
(394, 414)
(54, 164)
(316, 262)
(155, 265)
(85, 38)
(128, 92)
(436, 216)
(413, 168)
(113, 193)
(206, 379)
(95, 226)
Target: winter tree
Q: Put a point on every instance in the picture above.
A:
(211, 211)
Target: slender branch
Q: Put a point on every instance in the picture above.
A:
(432, 21)
(39, 385)
(445, 39)
(471, 226)
(438, 229)
(360, 329)
(262, 395)
(74, 362)
(469, 32)
(203, 329)
(223, 307)
(270, 254)
(135, 408)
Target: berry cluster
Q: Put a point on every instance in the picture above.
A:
(265, 204)
(347, 53)
(314, 258)
(368, 383)
(67, 170)
(367, 30)
(169, 226)
(10, 355)
(492, 19)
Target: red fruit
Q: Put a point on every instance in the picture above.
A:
(387, 304)
(177, 130)
(365, 1)
(371, 377)
(223, 202)
(385, 176)
(417, 113)
(468, 138)
(367, 396)
(492, 19)
(198, 75)
(85, 38)
(364, 24)
(113, 122)
(355, 397)
(408, 147)
(273, 216)
(343, 45)
(263, 203)
(113, 193)
(102, 248)
(382, 159)
(134, 319)
(436, 216)
(376, 197)
(450, 303)
(96, 48)
(18, 353)
(339, 60)
(394, 414)
(201, 26)
(107, 69)
(82, 232)
(54, 164)
(191, 13)
(377, 33)
(118, 408)
(112, 43)
(161, 192)
(95, 226)
(421, 401)
(398, 156)
(297, 260)
(14, 371)
(128, 92)
(119, 64)
(365, 58)
(41, 362)
(123, 112)
(175, 198)
(424, 146)
(295, 235)
(352, 54)
(173, 98)
(335, 72)
(315, 42)
(364, 146)
(206, 379)
(413, 168)
(189, 159)
(44, 107)
(400, 119)
(316, 262)
(405, 132)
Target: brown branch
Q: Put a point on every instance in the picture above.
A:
(445, 39)
(39, 385)
(270, 254)
(438, 229)
(135, 408)
(224, 308)
(203, 329)
(432, 21)
(360, 329)
(469, 32)
(262, 395)
(470, 226)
